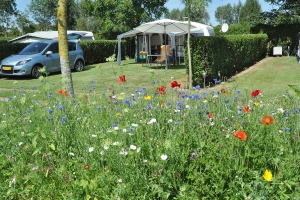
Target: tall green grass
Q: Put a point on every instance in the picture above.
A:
(127, 141)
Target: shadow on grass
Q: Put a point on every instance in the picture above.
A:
(156, 66)
(3, 77)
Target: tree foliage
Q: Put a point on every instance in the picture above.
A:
(114, 17)
(7, 10)
(25, 25)
(290, 6)
(250, 10)
(44, 13)
(286, 12)
(224, 14)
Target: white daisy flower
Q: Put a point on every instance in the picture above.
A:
(164, 157)
(133, 147)
(91, 149)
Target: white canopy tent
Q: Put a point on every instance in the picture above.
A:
(180, 28)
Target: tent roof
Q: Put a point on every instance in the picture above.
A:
(130, 33)
(199, 30)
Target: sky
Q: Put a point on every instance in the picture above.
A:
(171, 4)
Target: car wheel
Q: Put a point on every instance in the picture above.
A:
(35, 73)
(79, 66)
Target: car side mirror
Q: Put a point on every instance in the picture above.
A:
(48, 53)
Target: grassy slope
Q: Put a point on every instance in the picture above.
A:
(271, 75)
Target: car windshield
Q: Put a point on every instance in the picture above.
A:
(34, 48)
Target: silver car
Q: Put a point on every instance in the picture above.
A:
(39, 54)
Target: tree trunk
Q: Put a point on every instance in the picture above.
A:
(67, 83)
(188, 47)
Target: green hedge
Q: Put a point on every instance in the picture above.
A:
(285, 35)
(8, 49)
(225, 56)
(94, 51)
(98, 50)
(4, 40)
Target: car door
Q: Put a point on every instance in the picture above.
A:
(72, 53)
(52, 61)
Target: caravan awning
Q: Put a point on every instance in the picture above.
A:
(124, 35)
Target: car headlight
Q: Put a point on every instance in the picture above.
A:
(23, 62)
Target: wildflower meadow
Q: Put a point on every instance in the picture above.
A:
(156, 142)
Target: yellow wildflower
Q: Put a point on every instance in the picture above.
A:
(117, 114)
(256, 103)
(147, 98)
(268, 175)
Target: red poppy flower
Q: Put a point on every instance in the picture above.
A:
(246, 109)
(122, 78)
(60, 91)
(267, 120)
(86, 166)
(241, 135)
(175, 84)
(65, 93)
(211, 115)
(161, 90)
(222, 90)
(255, 93)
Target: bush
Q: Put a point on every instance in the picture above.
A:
(225, 56)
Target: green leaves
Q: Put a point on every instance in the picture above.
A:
(295, 88)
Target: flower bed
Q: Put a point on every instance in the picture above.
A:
(149, 143)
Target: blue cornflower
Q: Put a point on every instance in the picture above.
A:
(23, 95)
(98, 107)
(287, 112)
(127, 102)
(126, 86)
(113, 125)
(197, 96)
(204, 93)
(287, 129)
(63, 119)
(28, 111)
(180, 103)
(92, 81)
(154, 81)
(197, 87)
(21, 87)
(33, 87)
(216, 81)
(50, 111)
(61, 107)
(50, 95)
(49, 119)
(238, 91)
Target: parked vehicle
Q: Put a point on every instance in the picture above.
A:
(39, 54)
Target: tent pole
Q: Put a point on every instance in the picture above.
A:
(166, 61)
